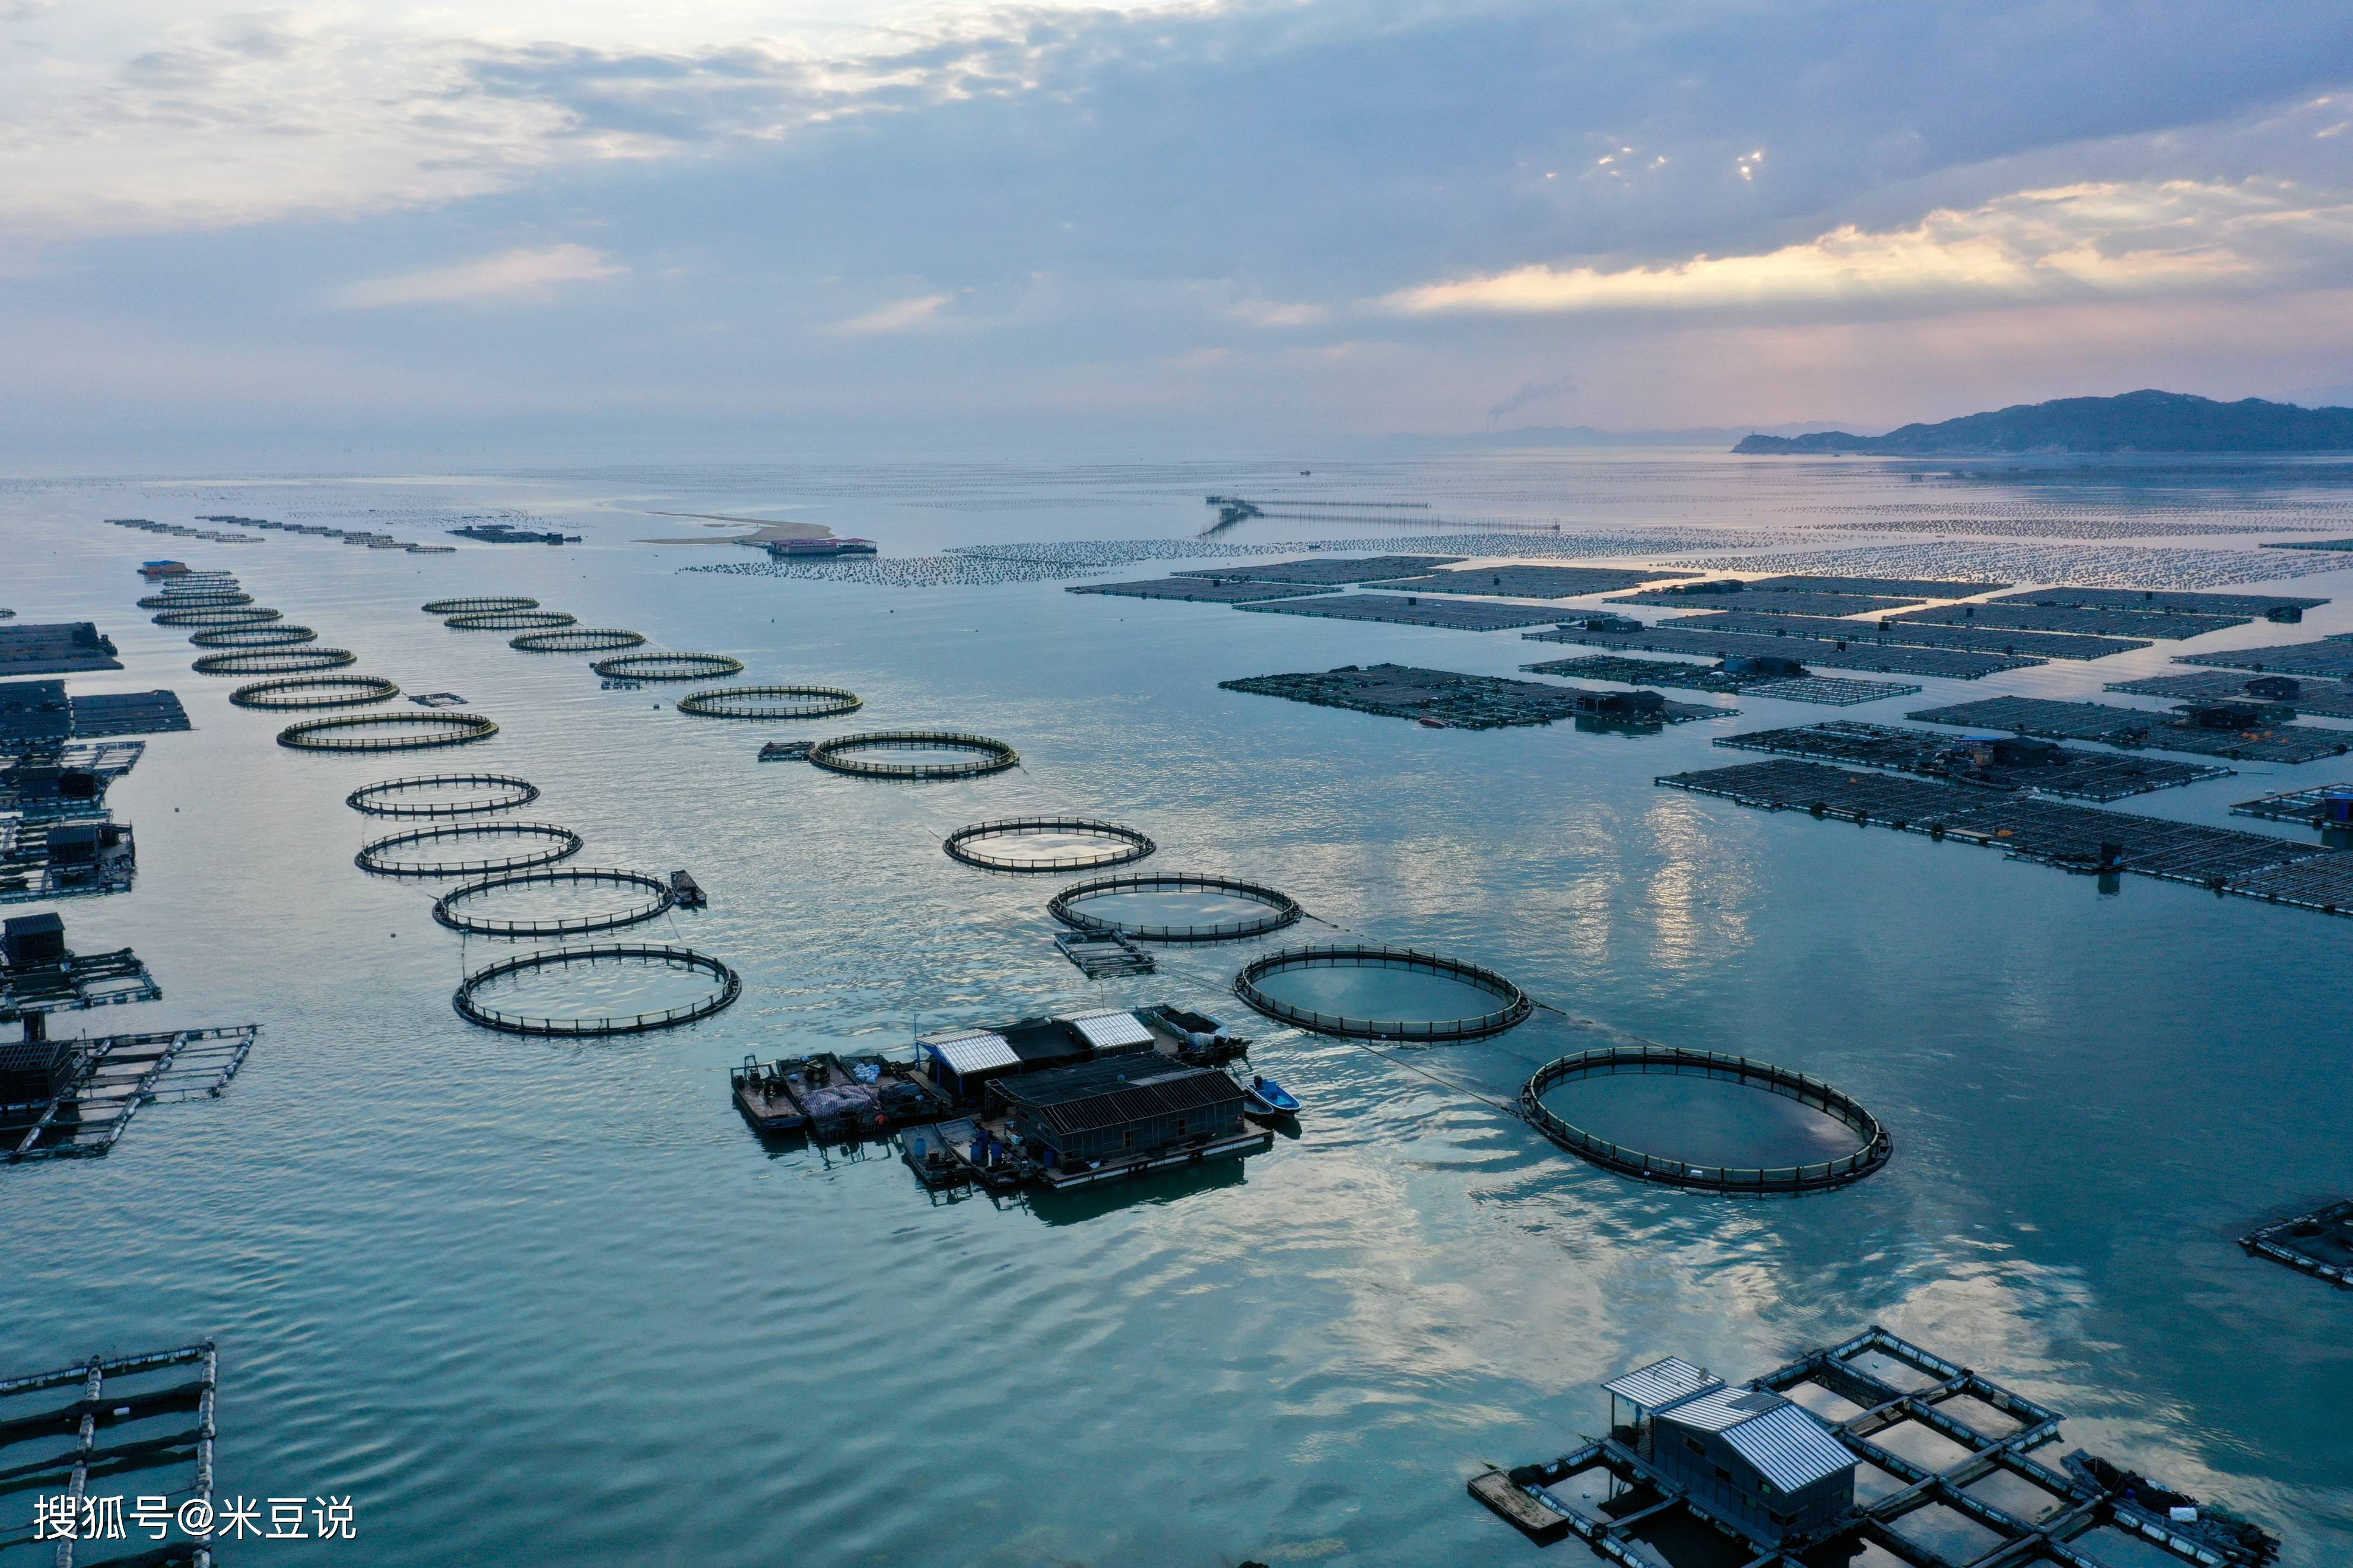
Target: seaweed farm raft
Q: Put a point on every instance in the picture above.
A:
(2003, 761)
(2239, 731)
(1443, 700)
(1849, 650)
(1787, 679)
(2055, 832)
(1812, 1463)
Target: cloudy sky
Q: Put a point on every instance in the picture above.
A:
(603, 228)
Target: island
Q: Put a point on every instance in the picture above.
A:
(2134, 422)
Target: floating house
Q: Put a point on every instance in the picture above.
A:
(1754, 1459)
(965, 1061)
(1125, 1115)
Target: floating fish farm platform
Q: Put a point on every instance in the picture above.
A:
(2328, 698)
(2330, 658)
(2322, 805)
(2320, 1244)
(2073, 837)
(59, 648)
(1768, 1473)
(68, 780)
(1364, 569)
(1900, 588)
(63, 1099)
(1445, 699)
(62, 860)
(1998, 764)
(1827, 691)
(1910, 634)
(141, 1424)
(2164, 626)
(1533, 581)
(1203, 590)
(2240, 738)
(1765, 601)
(1464, 615)
(1857, 651)
(39, 712)
(2249, 606)
(1099, 955)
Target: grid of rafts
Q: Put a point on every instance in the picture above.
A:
(2239, 733)
(1829, 691)
(1844, 653)
(2077, 837)
(1829, 1438)
(62, 1099)
(2329, 699)
(144, 1425)
(2001, 764)
(1444, 698)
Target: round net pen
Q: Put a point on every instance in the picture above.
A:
(507, 621)
(287, 693)
(771, 702)
(1873, 1147)
(980, 755)
(383, 798)
(549, 844)
(367, 733)
(576, 639)
(1511, 1004)
(483, 605)
(654, 898)
(221, 599)
(266, 661)
(1276, 908)
(668, 667)
(470, 1006)
(1116, 846)
(238, 615)
(285, 634)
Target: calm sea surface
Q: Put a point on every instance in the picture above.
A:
(531, 1301)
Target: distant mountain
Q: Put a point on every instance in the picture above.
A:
(2135, 422)
(1526, 436)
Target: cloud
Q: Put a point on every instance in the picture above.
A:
(2081, 239)
(1531, 395)
(898, 318)
(522, 274)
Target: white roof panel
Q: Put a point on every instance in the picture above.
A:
(1722, 1410)
(1662, 1383)
(1108, 1031)
(975, 1053)
(1790, 1447)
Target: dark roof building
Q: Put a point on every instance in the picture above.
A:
(1121, 1107)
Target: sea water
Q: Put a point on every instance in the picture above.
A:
(547, 1301)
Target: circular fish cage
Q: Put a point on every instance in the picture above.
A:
(287, 693)
(657, 899)
(668, 667)
(365, 732)
(383, 798)
(1441, 981)
(239, 615)
(1053, 844)
(979, 754)
(470, 1005)
(772, 702)
(1873, 1148)
(275, 661)
(577, 639)
(483, 605)
(381, 856)
(507, 621)
(214, 600)
(285, 634)
(1249, 908)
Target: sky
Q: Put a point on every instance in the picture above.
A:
(594, 229)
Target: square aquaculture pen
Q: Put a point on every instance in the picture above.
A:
(2319, 1243)
(79, 1444)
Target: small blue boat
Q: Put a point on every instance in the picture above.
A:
(1266, 1097)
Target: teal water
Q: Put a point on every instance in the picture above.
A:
(551, 1302)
